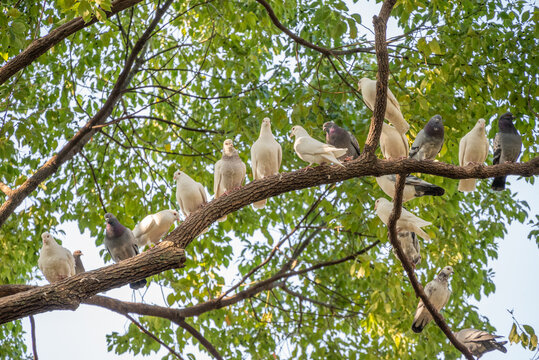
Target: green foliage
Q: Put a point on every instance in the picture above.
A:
(212, 72)
(527, 337)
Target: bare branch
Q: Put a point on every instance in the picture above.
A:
(392, 226)
(304, 42)
(42, 45)
(33, 335)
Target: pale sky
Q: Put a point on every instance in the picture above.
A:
(82, 333)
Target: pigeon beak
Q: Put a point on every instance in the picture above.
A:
(291, 135)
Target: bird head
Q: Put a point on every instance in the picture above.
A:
(297, 131)
(176, 215)
(110, 219)
(362, 80)
(481, 123)
(506, 121)
(228, 146)
(77, 253)
(328, 126)
(266, 122)
(177, 175)
(436, 123)
(378, 202)
(47, 238)
(445, 272)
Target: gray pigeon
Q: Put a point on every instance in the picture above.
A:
(438, 293)
(79, 268)
(479, 342)
(429, 140)
(121, 245)
(507, 146)
(341, 138)
(413, 187)
(410, 246)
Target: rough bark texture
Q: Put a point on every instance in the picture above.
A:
(69, 293)
(42, 45)
(84, 135)
(392, 229)
(382, 57)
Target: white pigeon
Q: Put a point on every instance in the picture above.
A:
(438, 293)
(393, 110)
(413, 187)
(410, 246)
(266, 156)
(473, 148)
(55, 261)
(229, 172)
(407, 221)
(393, 144)
(190, 194)
(314, 151)
(479, 342)
(154, 226)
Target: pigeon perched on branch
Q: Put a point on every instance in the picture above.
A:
(79, 267)
(154, 226)
(407, 220)
(507, 146)
(314, 151)
(120, 243)
(190, 194)
(229, 171)
(429, 140)
(410, 246)
(266, 156)
(413, 187)
(393, 110)
(479, 342)
(393, 144)
(473, 149)
(438, 293)
(341, 138)
(55, 261)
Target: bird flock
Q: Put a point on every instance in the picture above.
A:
(57, 263)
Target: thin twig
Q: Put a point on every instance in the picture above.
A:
(197, 335)
(144, 330)
(33, 335)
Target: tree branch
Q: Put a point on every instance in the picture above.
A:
(197, 335)
(380, 25)
(147, 332)
(42, 45)
(33, 335)
(392, 228)
(301, 41)
(68, 293)
(84, 135)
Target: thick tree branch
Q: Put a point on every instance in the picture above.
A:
(42, 45)
(380, 26)
(168, 254)
(392, 229)
(84, 135)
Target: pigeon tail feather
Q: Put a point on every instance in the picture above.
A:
(260, 204)
(467, 185)
(138, 284)
(432, 190)
(499, 183)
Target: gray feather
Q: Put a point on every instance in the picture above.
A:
(429, 140)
